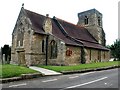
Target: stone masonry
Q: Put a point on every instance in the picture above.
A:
(29, 48)
(94, 24)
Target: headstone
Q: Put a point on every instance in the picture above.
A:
(3, 60)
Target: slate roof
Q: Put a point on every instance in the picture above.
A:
(37, 21)
(71, 34)
(76, 31)
(57, 32)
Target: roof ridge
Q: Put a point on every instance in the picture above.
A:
(70, 23)
(60, 26)
(34, 12)
(87, 41)
(65, 33)
(80, 27)
(91, 35)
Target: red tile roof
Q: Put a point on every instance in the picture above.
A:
(71, 34)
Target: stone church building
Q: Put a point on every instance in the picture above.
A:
(39, 39)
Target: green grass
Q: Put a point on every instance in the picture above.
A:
(7, 71)
(81, 66)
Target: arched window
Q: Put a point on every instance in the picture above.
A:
(86, 20)
(53, 46)
(99, 21)
(20, 37)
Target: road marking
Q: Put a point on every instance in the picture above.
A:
(85, 83)
(18, 85)
(74, 77)
(80, 74)
(87, 73)
(105, 83)
(50, 80)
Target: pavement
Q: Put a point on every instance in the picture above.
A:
(45, 72)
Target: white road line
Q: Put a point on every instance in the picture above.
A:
(73, 77)
(87, 73)
(50, 80)
(18, 85)
(86, 83)
(80, 74)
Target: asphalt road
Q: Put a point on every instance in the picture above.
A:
(96, 79)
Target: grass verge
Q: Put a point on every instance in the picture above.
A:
(81, 66)
(7, 71)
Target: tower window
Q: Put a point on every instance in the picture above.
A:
(86, 20)
(99, 21)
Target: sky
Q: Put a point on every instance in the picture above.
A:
(63, 9)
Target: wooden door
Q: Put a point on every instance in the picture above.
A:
(21, 58)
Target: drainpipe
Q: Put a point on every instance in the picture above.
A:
(46, 50)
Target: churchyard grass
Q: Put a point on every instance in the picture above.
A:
(81, 66)
(8, 70)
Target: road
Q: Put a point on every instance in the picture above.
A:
(96, 79)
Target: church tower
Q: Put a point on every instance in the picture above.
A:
(92, 20)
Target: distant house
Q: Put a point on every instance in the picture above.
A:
(38, 39)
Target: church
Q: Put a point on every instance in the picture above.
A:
(39, 39)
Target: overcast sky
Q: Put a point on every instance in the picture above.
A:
(64, 9)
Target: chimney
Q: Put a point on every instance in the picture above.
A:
(47, 15)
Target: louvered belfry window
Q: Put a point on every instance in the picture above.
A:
(86, 20)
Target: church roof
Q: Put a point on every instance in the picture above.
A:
(36, 20)
(76, 31)
(71, 34)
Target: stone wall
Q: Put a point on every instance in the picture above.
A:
(23, 49)
(107, 55)
(31, 52)
(87, 55)
(91, 18)
(95, 55)
(31, 47)
(91, 55)
(37, 56)
(47, 26)
(93, 27)
(75, 57)
(61, 48)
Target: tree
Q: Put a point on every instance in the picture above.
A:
(7, 51)
(115, 49)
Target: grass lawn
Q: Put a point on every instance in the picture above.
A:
(8, 70)
(81, 66)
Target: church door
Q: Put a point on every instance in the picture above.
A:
(21, 58)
